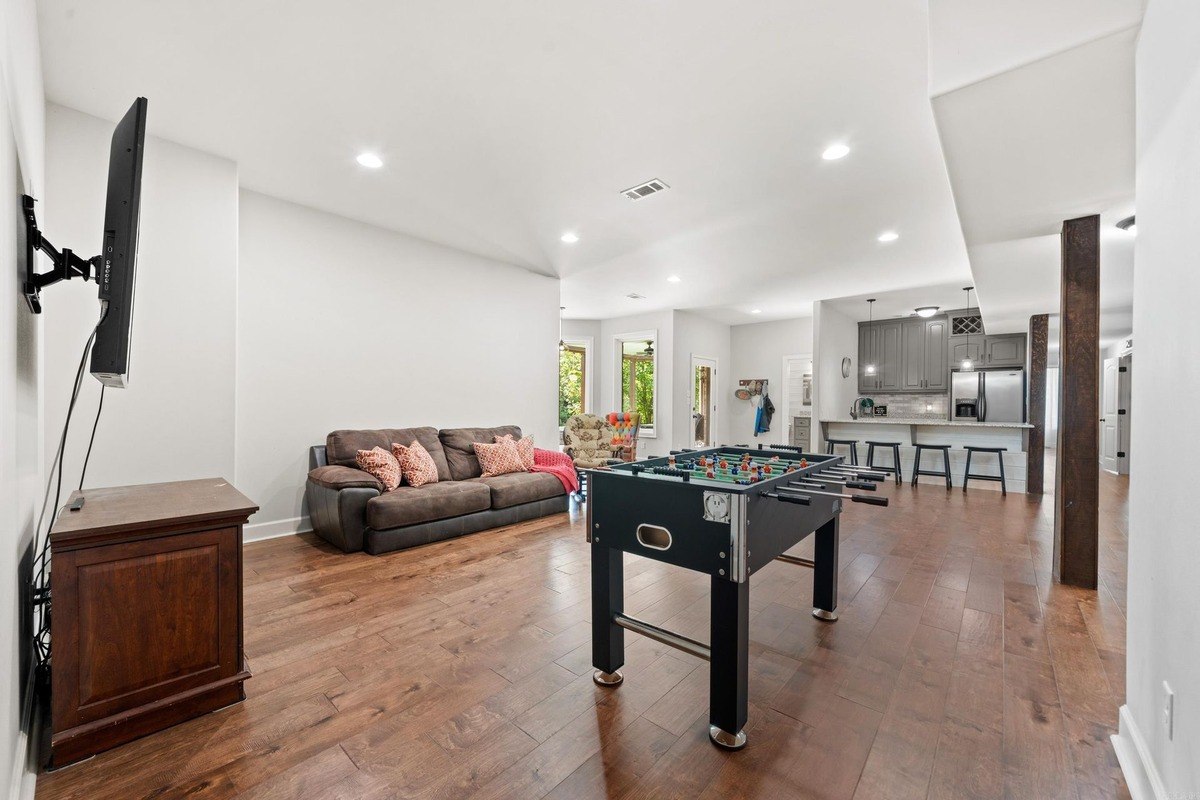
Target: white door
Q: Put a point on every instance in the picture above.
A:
(1124, 377)
(1110, 424)
(704, 401)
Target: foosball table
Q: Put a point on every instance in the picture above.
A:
(728, 512)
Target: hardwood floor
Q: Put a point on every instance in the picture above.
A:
(462, 669)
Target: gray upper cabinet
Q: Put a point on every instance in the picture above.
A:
(879, 344)
(909, 355)
(961, 349)
(1006, 350)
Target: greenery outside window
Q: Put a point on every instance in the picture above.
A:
(638, 378)
(572, 380)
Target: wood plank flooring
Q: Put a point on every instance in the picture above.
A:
(462, 670)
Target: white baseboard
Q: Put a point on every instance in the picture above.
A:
(1141, 776)
(273, 530)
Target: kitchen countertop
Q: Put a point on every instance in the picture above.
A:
(926, 421)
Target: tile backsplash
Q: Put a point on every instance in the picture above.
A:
(914, 406)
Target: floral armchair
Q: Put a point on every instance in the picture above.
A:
(589, 441)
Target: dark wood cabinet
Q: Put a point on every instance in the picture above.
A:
(146, 624)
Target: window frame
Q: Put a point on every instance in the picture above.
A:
(619, 340)
(584, 342)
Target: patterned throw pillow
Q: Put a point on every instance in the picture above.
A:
(500, 458)
(415, 463)
(524, 448)
(381, 464)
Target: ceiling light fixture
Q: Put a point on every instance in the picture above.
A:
(926, 311)
(756, 311)
(835, 151)
(1129, 225)
(888, 236)
(569, 237)
(673, 279)
(869, 367)
(967, 364)
(369, 160)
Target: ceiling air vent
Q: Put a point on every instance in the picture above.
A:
(636, 296)
(645, 189)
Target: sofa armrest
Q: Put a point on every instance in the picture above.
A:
(332, 476)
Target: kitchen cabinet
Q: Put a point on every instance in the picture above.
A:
(1006, 350)
(909, 355)
(801, 433)
(880, 343)
(961, 349)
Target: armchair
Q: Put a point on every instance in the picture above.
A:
(588, 440)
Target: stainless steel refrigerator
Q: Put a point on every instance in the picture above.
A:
(988, 395)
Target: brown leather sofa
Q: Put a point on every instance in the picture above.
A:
(350, 510)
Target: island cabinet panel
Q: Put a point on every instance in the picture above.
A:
(146, 626)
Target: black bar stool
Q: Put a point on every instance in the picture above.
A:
(945, 473)
(851, 443)
(999, 452)
(895, 467)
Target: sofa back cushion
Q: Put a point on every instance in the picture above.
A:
(459, 447)
(342, 446)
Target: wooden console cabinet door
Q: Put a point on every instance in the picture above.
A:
(147, 631)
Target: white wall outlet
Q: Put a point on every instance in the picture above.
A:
(1168, 710)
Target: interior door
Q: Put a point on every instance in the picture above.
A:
(704, 401)
(1110, 422)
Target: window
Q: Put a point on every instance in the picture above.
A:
(572, 380)
(638, 379)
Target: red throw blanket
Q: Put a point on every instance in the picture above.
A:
(557, 464)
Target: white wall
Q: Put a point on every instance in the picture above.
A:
(1163, 629)
(344, 325)
(757, 351)
(21, 171)
(835, 336)
(699, 336)
(175, 421)
(608, 360)
(588, 330)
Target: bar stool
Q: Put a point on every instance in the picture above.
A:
(850, 443)
(895, 467)
(999, 452)
(945, 473)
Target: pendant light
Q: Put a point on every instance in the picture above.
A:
(967, 365)
(869, 367)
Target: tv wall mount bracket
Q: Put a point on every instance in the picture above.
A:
(67, 265)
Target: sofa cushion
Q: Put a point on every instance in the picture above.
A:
(459, 447)
(341, 446)
(410, 505)
(518, 488)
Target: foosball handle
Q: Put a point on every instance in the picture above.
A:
(871, 501)
(872, 476)
(870, 487)
(798, 499)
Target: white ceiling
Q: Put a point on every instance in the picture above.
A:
(1031, 147)
(503, 125)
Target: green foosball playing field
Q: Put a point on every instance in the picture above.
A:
(734, 467)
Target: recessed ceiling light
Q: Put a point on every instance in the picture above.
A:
(835, 151)
(370, 160)
(569, 237)
(673, 279)
(756, 311)
(888, 236)
(926, 311)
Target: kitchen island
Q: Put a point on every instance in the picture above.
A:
(908, 431)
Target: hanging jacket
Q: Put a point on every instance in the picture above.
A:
(762, 417)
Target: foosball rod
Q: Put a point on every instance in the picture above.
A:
(818, 483)
(855, 498)
(849, 481)
(860, 473)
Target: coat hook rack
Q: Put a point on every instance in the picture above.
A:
(751, 387)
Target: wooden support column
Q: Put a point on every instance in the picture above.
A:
(1077, 476)
(1035, 481)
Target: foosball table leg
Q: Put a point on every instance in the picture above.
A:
(825, 571)
(608, 600)
(729, 670)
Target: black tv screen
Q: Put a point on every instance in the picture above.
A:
(110, 354)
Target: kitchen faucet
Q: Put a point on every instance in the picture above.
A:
(859, 402)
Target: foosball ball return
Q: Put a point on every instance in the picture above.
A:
(726, 511)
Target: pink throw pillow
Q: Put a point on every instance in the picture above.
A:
(524, 448)
(381, 464)
(415, 463)
(500, 458)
